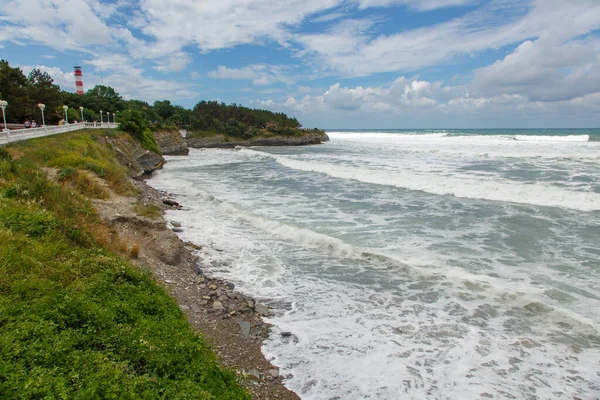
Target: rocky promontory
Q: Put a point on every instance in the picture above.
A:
(171, 143)
(222, 141)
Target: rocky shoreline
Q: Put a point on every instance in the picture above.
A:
(220, 141)
(230, 321)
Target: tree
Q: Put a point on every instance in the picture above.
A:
(164, 109)
(14, 90)
(42, 89)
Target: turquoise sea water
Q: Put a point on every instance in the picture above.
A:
(434, 264)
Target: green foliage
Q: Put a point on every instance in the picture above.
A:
(235, 120)
(132, 122)
(76, 321)
(13, 84)
(24, 93)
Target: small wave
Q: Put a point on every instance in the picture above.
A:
(557, 138)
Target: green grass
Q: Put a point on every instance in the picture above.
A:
(76, 320)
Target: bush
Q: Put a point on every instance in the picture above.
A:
(133, 123)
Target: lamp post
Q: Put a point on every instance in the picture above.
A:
(3, 104)
(81, 109)
(108, 117)
(101, 122)
(114, 121)
(66, 114)
(42, 106)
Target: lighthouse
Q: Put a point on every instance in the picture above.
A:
(78, 81)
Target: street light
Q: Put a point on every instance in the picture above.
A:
(3, 104)
(81, 109)
(42, 106)
(108, 117)
(66, 115)
(114, 121)
(101, 122)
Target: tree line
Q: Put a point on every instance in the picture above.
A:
(24, 92)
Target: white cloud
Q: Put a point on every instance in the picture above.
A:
(61, 24)
(259, 74)
(422, 5)
(174, 62)
(195, 75)
(545, 70)
(350, 48)
(418, 103)
(216, 24)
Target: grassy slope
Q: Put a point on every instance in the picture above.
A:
(77, 321)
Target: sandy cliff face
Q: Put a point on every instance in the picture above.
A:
(219, 141)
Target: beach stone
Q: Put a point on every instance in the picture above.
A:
(205, 297)
(250, 304)
(184, 307)
(274, 373)
(245, 328)
(195, 308)
(212, 286)
(230, 285)
(177, 230)
(223, 299)
(286, 334)
(196, 268)
(255, 373)
(218, 306)
(230, 294)
(259, 322)
(261, 309)
(176, 224)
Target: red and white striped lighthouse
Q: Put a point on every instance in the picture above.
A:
(78, 81)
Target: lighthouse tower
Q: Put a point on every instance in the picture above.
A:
(78, 80)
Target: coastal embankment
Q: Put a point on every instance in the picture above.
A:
(77, 217)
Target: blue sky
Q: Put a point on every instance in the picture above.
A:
(331, 63)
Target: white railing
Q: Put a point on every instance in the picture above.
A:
(15, 135)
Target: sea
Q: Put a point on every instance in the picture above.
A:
(411, 264)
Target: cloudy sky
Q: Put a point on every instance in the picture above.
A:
(331, 63)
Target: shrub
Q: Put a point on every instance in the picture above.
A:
(133, 123)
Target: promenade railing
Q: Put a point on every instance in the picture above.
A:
(15, 135)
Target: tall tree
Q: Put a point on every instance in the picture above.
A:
(164, 109)
(42, 89)
(13, 83)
